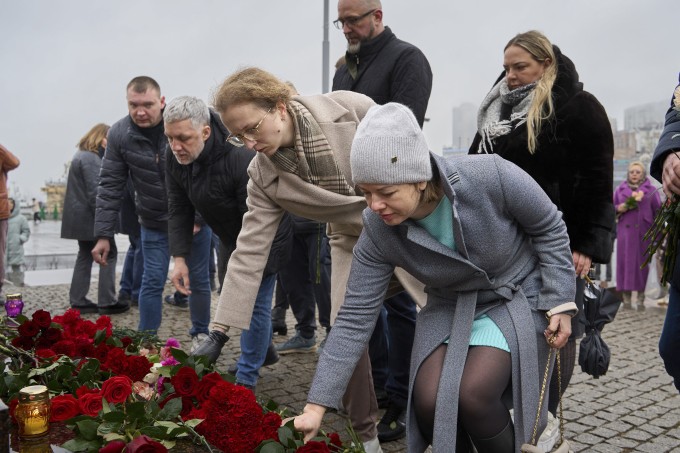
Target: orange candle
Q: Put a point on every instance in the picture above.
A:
(33, 411)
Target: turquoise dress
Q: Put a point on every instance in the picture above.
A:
(440, 225)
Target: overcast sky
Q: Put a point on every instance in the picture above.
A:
(64, 64)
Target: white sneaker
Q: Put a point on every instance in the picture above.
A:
(550, 435)
(372, 446)
(196, 341)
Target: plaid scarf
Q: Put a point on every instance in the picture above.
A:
(312, 158)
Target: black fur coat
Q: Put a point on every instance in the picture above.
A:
(573, 162)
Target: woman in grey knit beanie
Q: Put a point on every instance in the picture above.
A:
(488, 309)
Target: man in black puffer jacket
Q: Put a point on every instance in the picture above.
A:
(209, 175)
(386, 69)
(137, 148)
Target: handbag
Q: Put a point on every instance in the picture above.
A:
(563, 446)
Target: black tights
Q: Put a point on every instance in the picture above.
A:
(481, 412)
(568, 360)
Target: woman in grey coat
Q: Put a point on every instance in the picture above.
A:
(496, 301)
(78, 223)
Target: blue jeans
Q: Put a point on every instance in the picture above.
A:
(390, 347)
(255, 341)
(156, 263)
(133, 268)
(669, 343)
(198, 262)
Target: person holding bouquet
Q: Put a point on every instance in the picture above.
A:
(636, 201)
(665, 167)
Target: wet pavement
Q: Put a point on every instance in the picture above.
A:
(633, 408)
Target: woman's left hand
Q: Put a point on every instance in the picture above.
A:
(558, 331)
(582, 263)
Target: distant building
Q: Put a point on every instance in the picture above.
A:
(464, 123)
(56, 192)
(645, 116)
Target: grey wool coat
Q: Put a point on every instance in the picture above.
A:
(81, 195)
(512, 261)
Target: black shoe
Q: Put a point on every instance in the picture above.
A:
(124, 298)
(393, 424)
(179, 303)
(135, 302)
(212, 346)
(271, 358)
(83, 309)
(280, 328)
(114, 309)
(381, 396)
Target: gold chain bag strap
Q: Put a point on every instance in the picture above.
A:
(564, 444)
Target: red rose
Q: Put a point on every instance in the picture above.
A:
(115, 361)
(84, 348)
(84, 390)
(137, 367)
(117, 389)
(117, 446)
(314, 446)
(42, 318)
(65, 347)
(90, 404)
(45, 353)
(203, 388)
(127, 341)
(25, 343)
(143, 444)
(101, 352)
(29, 329)
(335, 439)
(185, 381)
(63, 408)
(270, 426)
(52, 335)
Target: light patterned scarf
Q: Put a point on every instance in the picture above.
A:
(312, 158)
(490, 125)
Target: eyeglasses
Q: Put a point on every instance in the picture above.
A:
(239, 140)
(351, 21)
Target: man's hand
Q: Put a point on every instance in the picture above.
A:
(101, 251)
(582, 263)
(309, 422)
(558, 331)
(671, 174)
(180, 276)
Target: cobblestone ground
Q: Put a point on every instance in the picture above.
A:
(634, 408)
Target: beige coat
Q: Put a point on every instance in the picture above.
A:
(272, 191)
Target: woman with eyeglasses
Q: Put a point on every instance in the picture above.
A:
(302, 166)
(538, 116)
(636, 201)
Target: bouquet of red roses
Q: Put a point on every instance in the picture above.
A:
(124, 391)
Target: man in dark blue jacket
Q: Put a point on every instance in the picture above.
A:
(386, 69)
(136, 148)
(666, 168)
(206, 174)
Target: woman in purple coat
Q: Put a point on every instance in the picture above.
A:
(636, 201)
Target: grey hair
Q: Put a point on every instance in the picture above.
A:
(187, 108)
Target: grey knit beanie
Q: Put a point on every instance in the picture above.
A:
(389, 148)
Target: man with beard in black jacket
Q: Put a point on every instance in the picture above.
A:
(386, 69)
(208, 175)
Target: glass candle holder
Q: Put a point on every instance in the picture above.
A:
(33, 411)
(14, 305)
